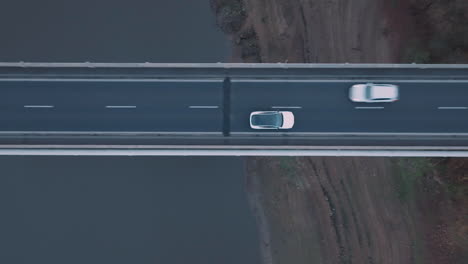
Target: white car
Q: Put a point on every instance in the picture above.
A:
(271, 120)
(373, 93)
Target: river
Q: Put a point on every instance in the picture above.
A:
(120, 209)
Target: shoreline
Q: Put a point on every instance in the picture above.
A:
(254, 198)
(360, 210)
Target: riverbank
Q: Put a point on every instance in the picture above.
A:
(348, 209)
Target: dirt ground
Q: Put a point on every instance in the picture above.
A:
(332, 210)
(360, 210)
(321, 31)
(351, 209)
(441, 32)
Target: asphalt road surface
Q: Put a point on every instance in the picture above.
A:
(198, 105)
(164, 106)
(324, 106)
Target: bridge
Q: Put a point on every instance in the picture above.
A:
(203, 109)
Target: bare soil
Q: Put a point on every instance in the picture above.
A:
(332, 210)
(324, 31)
(441, 32)
(353, 209)
(360, 210)
(443, 208)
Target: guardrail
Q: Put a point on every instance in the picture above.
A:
(232, 152)
(178, 150)
(238, 70)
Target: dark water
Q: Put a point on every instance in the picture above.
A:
(120, 209)
(110, 31)
(124, 210)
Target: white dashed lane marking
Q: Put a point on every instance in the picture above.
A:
(452, 107)
(369, 107)
(120, 106)
(287, 107)
(204, 106)
(38, 106)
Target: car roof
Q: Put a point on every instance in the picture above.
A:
(382, 91)
(267, 119)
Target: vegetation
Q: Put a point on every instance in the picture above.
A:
(411, 171)
(453, 176)
(248, 42)
(442, 27)
(416, 55)
(415, 52)
(230, 14)
(457, 191)
(287, 165)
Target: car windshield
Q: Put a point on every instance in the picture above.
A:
(368, 91)
(271, 119)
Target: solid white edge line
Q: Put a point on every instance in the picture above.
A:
(38, 106)
(220, 80)
(120, 106)
(345, 133)
(368, 107)
(452, 107)
(234, 152)
(127, 133)
(221, 65)
(231, 147)
(288, 107)
(122, 133)
(204, 106)
(233, 80)
(346, 81)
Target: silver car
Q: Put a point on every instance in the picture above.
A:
(373, 93)
(271, 120)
